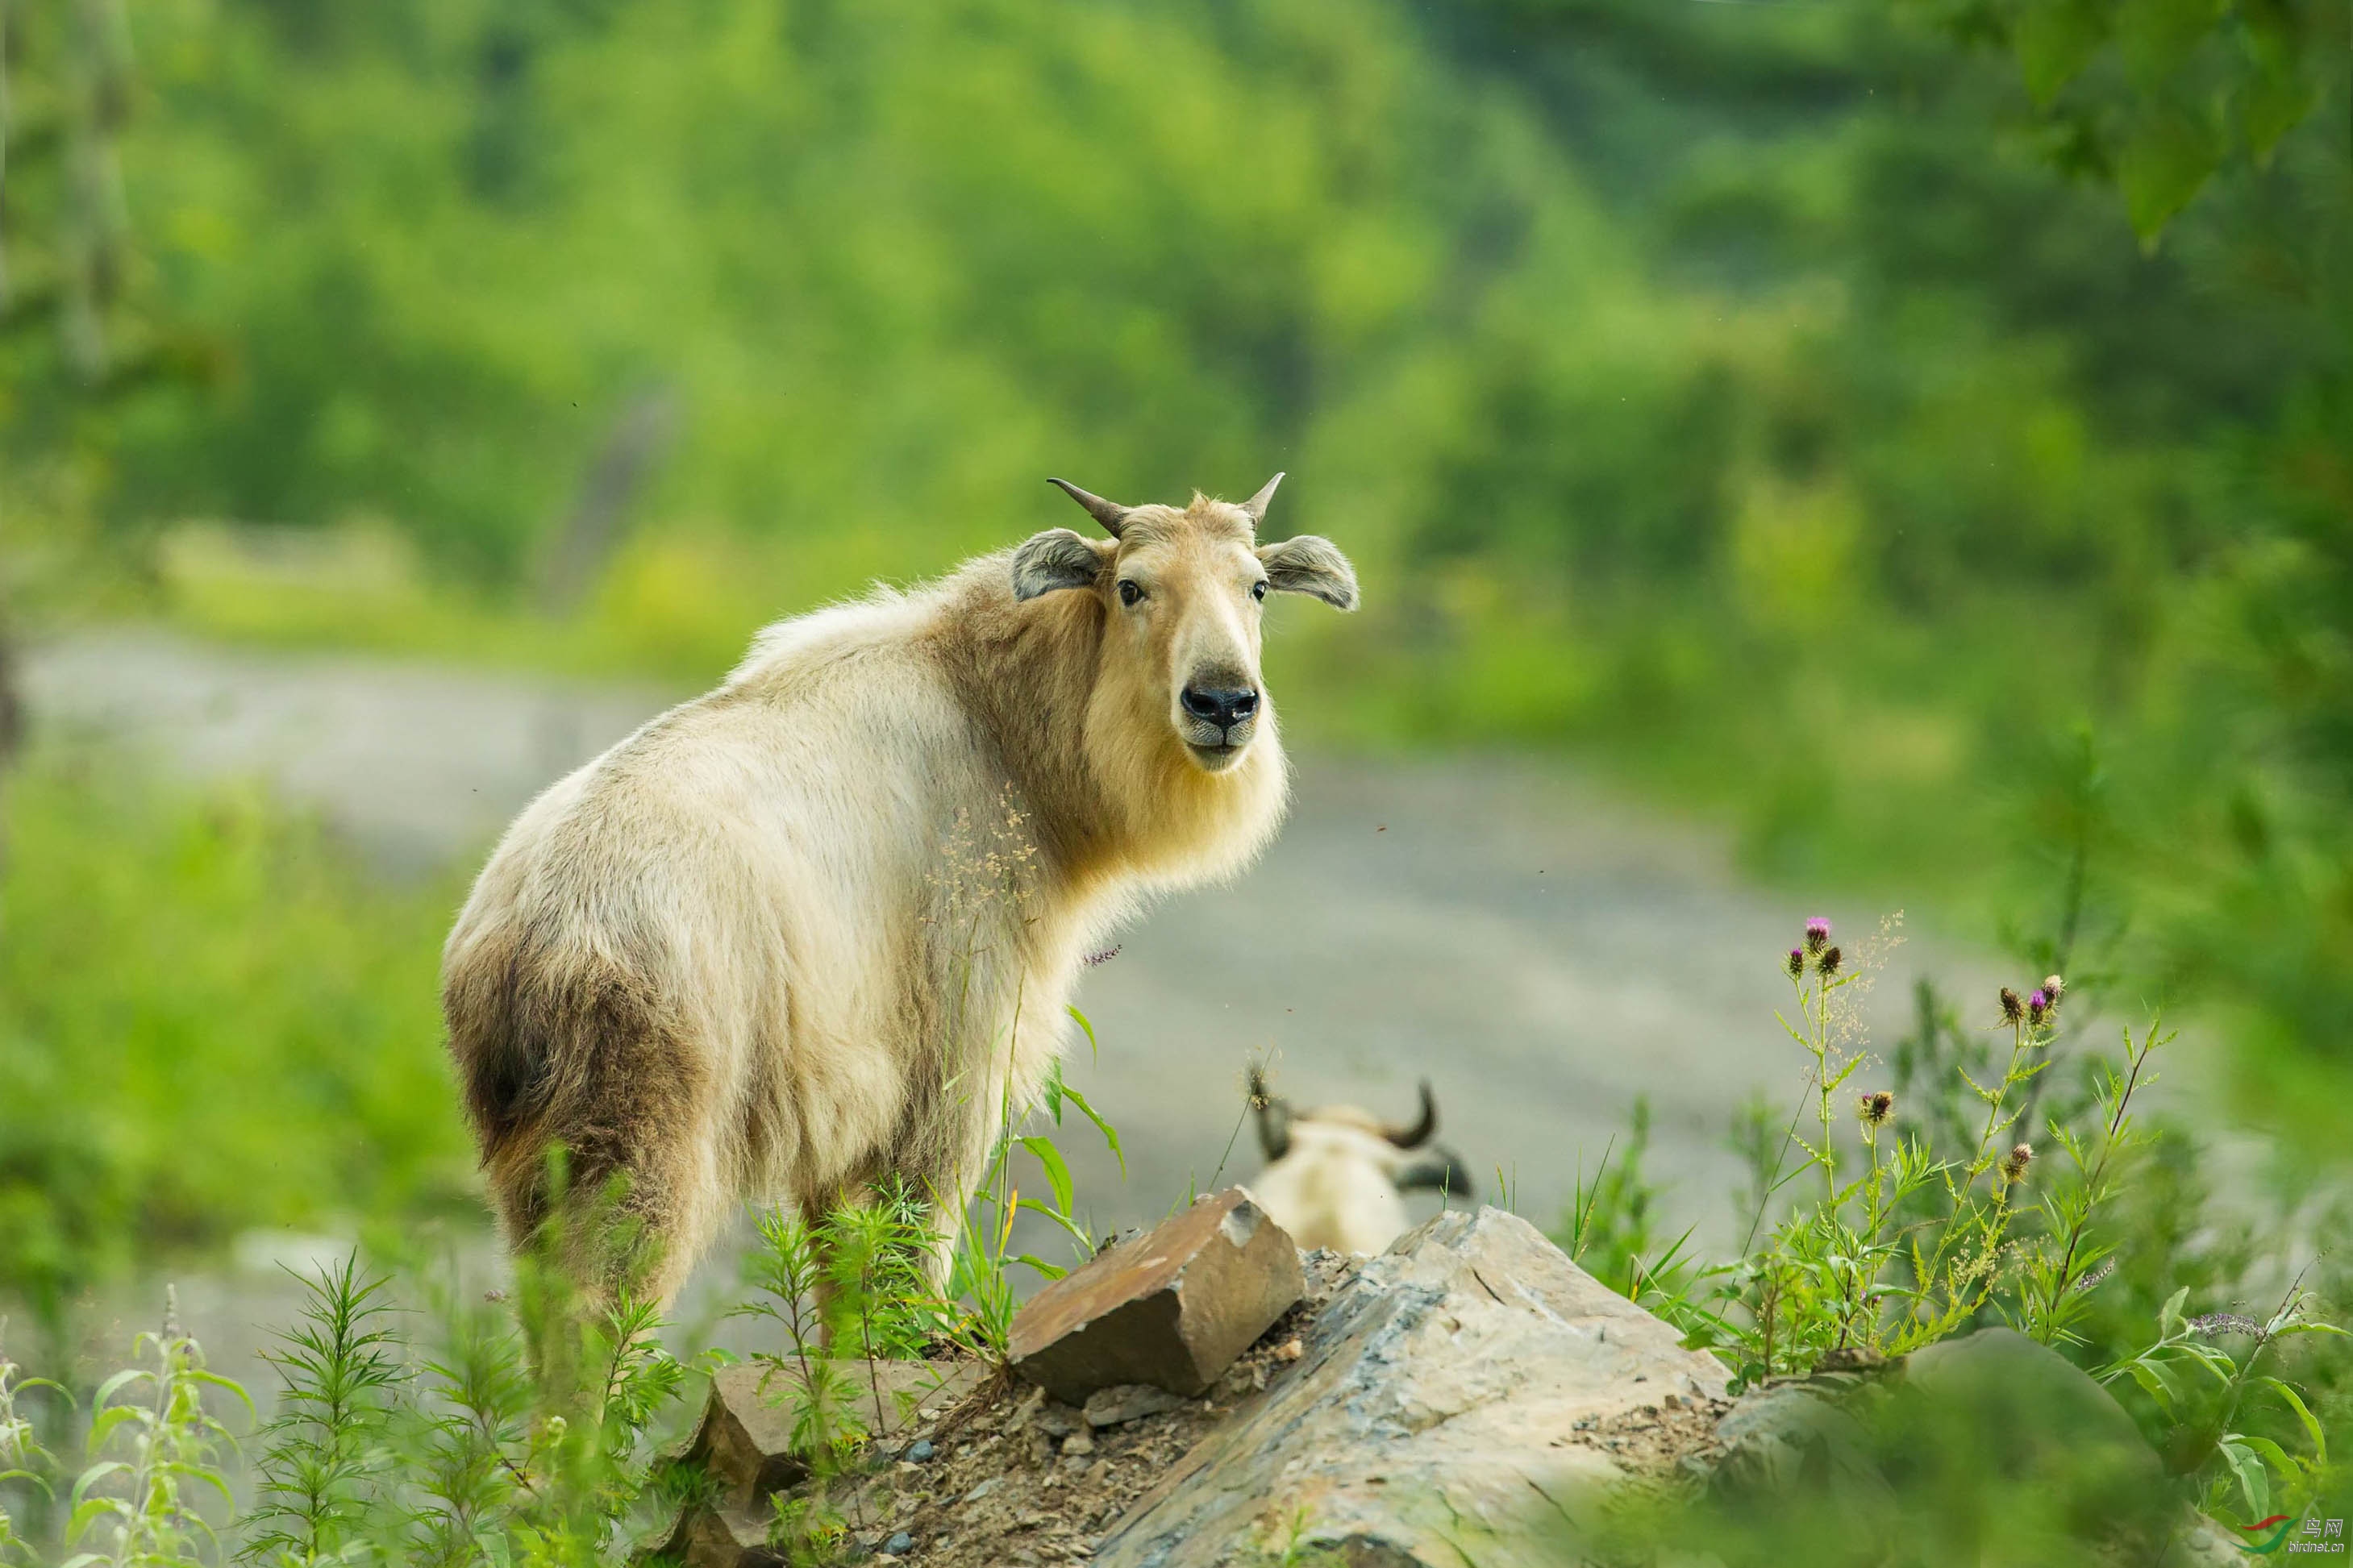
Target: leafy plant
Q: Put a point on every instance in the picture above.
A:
(154, 1449)
(470, 1410)
(23, 1460)
(2204, 1389)
(324, 1447)
(846, 1289)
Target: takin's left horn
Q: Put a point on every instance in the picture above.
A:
(1256, 505)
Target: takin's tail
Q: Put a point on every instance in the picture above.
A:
(590, 1107)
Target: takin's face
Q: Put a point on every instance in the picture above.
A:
(1182, 593)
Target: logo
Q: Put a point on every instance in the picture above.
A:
(2315, 1535)
(2277, 1536)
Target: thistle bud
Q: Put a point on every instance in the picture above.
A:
(1875, 1108)
(1796, 962)
(2012, 1009)
(2013, 1167)
(1827, 962)
(2053, 987)
(2038, 1007)
(1818, 934)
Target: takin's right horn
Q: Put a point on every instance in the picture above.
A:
(1415, 1136)
(1109, 514)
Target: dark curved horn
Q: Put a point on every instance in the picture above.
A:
(1256, 505)
(1109, 514)
(1274, 1119)
(1414, 1137)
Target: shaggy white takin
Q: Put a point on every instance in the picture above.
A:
(817, 929)
(1334, 1174)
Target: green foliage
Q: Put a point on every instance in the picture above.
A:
(155, 1450)
(24, 1463)
(850, 1285)
(1945, 1219)
(2158, 95)
(1734, 392)
(2204, 1389)
(1608, 1225)
(208, 1020)
(342, 1374)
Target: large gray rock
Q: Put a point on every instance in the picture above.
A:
(1461, 1382)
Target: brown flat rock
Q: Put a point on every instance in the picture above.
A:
(1171, 1308)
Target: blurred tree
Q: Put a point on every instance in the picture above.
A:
(2158, 95)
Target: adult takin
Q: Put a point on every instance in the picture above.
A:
(817, 929)
(1333, 1175)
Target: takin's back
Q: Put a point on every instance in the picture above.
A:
(682, 925)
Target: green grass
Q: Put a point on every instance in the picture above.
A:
(210, 1019)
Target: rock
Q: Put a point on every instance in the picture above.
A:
(722, 1538)
(2021, 1409)
(920, 1450)
(746, 1439)
(1779, 1438)
(1126, 1402)
(900, 1544)
(1172, 1307)
(1059, 1420)
(1078, 1444)
(745, 1444)
(1438, 1395)
(1988, 1427)
(2027, 1391)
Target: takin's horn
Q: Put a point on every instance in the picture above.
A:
(1256, 505)
(1415, 1136)
(1274, 1119)
(1109, 514)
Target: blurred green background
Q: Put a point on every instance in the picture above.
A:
(1919, 435)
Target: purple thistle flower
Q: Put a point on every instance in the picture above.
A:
(2038, 1006)
(1796, 962)
(1818, 933)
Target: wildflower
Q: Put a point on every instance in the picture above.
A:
(2038, 1009)
(1818, 934)
(2214, 1325)
(1827, 962)
(2012, 1010)
(2106, 1268)
(2053, 987)
(1875, 1108)
(1796, 962)
(2013, 1167)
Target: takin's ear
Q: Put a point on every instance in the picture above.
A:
(1058, 559)
(1309, 565)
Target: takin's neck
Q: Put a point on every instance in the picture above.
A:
(1114, 804)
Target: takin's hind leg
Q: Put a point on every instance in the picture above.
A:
(607, 1217)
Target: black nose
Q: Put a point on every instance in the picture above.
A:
(1224, 706)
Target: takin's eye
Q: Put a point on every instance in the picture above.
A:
(1128, 591)
(1258, 589)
